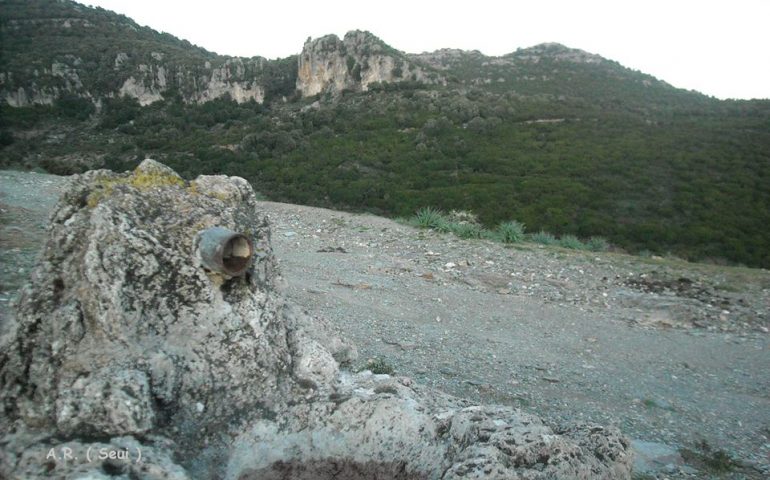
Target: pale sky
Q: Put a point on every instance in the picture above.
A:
(720, 48)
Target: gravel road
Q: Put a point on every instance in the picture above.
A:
(675, 354)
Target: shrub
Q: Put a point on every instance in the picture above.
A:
(511, 232)
(73, 106)
(597, 244)
(490, 235)
(467, 230)
(463, 216)
(6, 138)
(543, 238)
(443, 225)
(428, 217)
(571, 241)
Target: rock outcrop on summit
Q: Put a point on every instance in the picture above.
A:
(328, 64)
(124, 342)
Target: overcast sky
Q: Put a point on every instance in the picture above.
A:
(720, 48)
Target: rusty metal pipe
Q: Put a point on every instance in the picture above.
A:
(224, 251)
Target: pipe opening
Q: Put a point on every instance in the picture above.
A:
(224, 251)
(237, 254)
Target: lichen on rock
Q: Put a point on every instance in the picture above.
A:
(124, 340)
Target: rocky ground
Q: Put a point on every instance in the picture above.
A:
(26, 199)
(675, 354)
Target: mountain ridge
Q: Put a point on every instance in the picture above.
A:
(243, 78)
(560, 139)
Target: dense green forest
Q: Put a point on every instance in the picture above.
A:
(569, 147)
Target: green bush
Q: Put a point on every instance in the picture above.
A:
(571, 241)
(72, 106)
(544, 238)
(511, 232)
(467, 230)
(428, 217)
(597, 244)
(6, 138)
(119, 111)
(444, 226)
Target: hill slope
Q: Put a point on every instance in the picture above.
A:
(560, 139)
(645, 344)
(63, 50)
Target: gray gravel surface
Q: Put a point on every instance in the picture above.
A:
(671, 352)
(26, 200)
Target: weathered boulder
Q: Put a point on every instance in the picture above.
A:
(126, 342)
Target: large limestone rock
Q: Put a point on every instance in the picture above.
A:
(126, 343)
(328, 64)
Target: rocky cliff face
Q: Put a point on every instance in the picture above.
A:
(52, 49)
(147, 79)
(556, 52)
(328, 64)
(235, 77)
(473, 63)
(127, 341)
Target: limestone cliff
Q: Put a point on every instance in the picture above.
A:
(235, 77)
(52, 49)
(147, 79)
(328, 64)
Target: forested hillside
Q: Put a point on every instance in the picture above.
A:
(562, 140)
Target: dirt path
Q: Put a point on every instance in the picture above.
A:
(671, 352)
